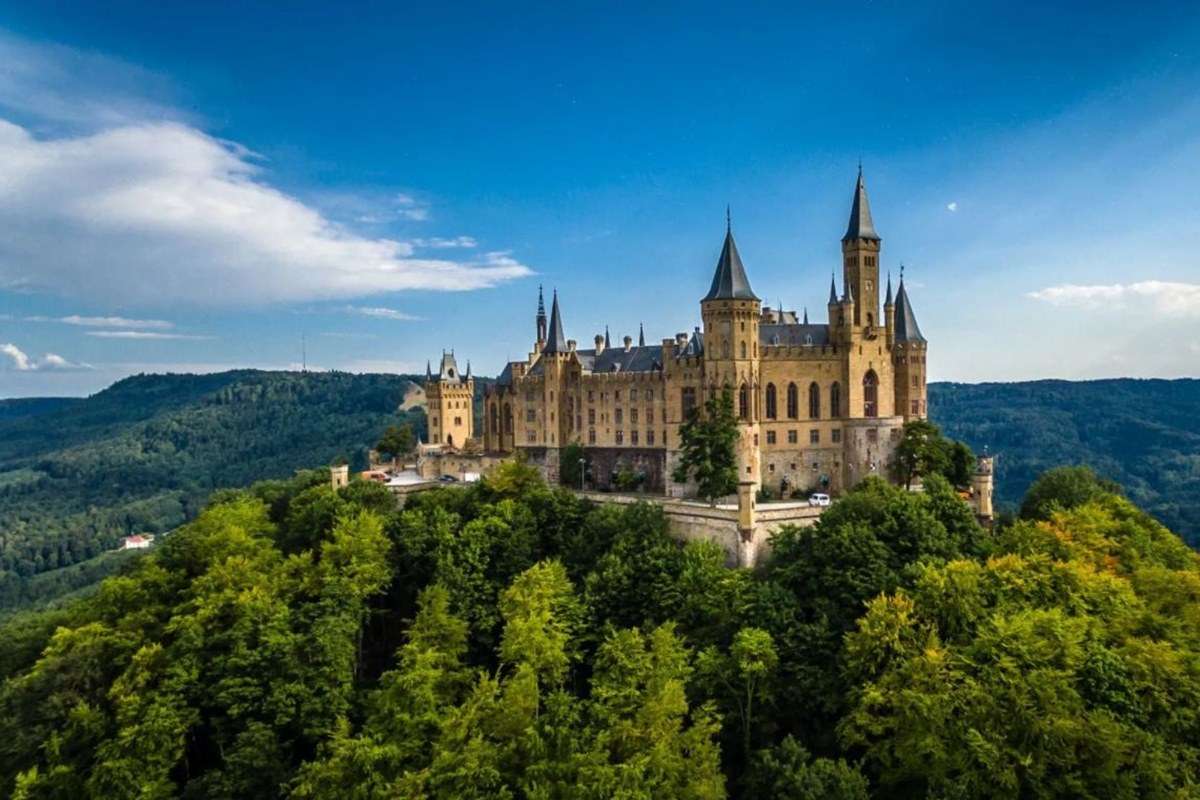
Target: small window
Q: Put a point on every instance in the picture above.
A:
(620, 437)
(592, 436)
(633, 438)
(619, 416)
(814, 437)
(792, 437)
(770, 437)
(633, 415)
(836, 435)
(916, 407)
(872, 435)
(649, 437)
(591, 416)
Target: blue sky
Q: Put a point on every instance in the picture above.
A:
(191, 187)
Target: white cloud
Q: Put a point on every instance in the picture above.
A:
(952, 206)
(161, 214)
(105, 322)
(144, 335)
(438, 243)
(1167, 298)
(19, 361)
(381, 313)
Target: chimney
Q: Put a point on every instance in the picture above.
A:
(599, 340)
(681, 339)
(628, 343)
(570, 345)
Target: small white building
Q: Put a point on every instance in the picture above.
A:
(137, 541)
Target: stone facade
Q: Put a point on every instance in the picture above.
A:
(450, 404)
(820, 405)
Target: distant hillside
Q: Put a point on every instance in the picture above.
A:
(1144, 434)
(143, 455)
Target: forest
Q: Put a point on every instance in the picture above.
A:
(143, 456)
(510, 640)
(1143, 434)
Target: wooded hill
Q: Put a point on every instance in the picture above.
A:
(1143, 434)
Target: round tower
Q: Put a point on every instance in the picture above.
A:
(731, 313)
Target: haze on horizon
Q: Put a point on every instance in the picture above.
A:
(198, 187)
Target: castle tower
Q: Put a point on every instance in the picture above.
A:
(909, 349)
(860, 259)
(554, 367)
(889, 312)
(541, 322)
(983, 486)
(450, 403)
(731, 313)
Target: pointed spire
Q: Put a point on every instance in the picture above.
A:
(861, 226)
(907, 329)
(641, 335)
(607, 341)
(728, 220)
(556, 342)
(428, 370)
(730, 281)
(887, 300)
(541, 303)
(468, 369)
(832, 290)
(848, 296)
(541, 317)
(806, 315)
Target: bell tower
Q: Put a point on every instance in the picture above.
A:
(860, 259)
(731, 313)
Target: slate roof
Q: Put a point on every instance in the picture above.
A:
(505, 378)
(861, 226)
(793, 334)
(730, 281)
(449, 368)
(556, 342)
(615, 359)
(907, 329)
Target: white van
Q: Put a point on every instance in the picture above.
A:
(818, 499)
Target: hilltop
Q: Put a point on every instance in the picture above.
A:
(144, 454)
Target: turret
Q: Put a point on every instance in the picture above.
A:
(983, 487)
(541, 321)
(731, 313)
(909, 350)
(889, 310)
(860, 258)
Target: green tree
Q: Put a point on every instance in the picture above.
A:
(1064, 488)
(744, 675)
(397, 440)
(708, 451)
(789, 772)
(571, 465)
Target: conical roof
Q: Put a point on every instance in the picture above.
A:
(907, 329)
(556, 342)
(730, 281)
(861, 225)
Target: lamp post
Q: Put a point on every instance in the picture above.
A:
(582, 472)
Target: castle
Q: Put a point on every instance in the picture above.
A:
(820, 406)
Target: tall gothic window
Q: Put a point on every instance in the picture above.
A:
(508, 419)
(772, 411)
(494, 420)
(793, 401)
(870, 394)
(814, 401)
(835, 400)
(744, 402)
(687, 401)
(743, 349)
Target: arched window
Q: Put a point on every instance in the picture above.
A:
(508, 419)
(870, 394)
(743, 349)
(493, 419)
(835, 400)
(744, 402)
(793, 401)
(870, 320)
(814, 401)
(772, 410)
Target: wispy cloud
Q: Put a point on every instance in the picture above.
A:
(952, 206)
(438, 243)
(1167, 298)
(105, 322)
(381, 313)
(408, 207)
(145, 335)
(21, 362)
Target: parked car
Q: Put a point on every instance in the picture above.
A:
(818, 499)
(448, 479)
